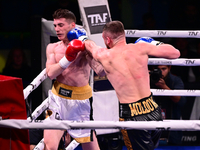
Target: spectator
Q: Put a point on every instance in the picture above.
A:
(171, 105)
(115, 11)
(191, 17)
(17, 66)
(184, 16)
(149, 22)
(186, 73)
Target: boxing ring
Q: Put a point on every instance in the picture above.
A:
(31, 122)
(186, 125)
(171, 125)
(101, 123)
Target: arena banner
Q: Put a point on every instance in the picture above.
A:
(94, 14)
(12, 106)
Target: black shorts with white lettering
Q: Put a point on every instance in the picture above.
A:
(143, 110)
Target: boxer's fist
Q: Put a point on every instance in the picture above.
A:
(73, 48)
(77, 33)
(71, 52)
(148, 40)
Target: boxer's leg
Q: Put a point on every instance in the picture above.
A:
(91, 145)
(52, 139)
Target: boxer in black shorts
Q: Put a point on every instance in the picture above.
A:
(126, 67)
(143, 110)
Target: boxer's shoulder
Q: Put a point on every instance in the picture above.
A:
(53, 46)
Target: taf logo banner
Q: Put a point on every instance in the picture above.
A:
(97, 17)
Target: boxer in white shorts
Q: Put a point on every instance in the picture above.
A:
(70, 65)
(72, 103)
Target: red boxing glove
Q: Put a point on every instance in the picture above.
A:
(73, 48)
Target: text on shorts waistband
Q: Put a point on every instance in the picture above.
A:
(72, 92)
(140, 107)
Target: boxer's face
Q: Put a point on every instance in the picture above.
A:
(62, 27)
(17, 57)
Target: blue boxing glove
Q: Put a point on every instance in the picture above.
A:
(148, 40)
(77, 33)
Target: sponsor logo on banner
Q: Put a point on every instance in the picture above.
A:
(163, 62)
(188, 62)
(189, 138)
(130, 32)
(162, 33)
(97, 17)
(193, 33)
(164, 128)
(160, 90)
(191, 91)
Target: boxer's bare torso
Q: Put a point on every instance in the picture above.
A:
(127, 71)
(126, 66)
(78, 72)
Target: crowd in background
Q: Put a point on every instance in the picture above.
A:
(135, 14)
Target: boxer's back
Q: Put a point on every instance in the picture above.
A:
(127, 70)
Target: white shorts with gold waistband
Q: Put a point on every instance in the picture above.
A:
(71, 103)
